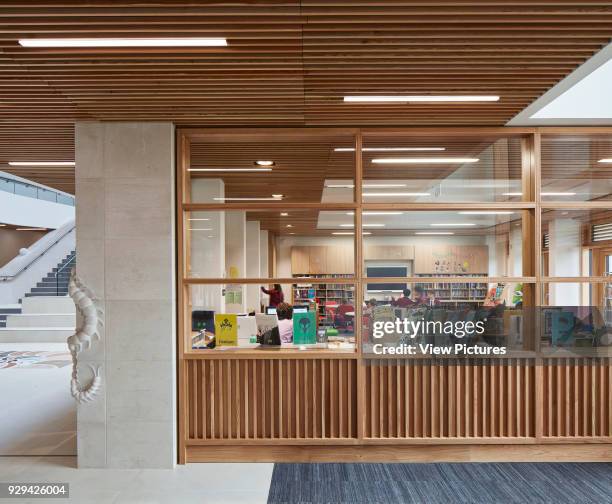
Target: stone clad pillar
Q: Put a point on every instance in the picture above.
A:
(125, 254)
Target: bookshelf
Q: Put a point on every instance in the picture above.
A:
(323, 295)
(453, 292)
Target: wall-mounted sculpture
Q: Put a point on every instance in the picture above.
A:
(86, 331)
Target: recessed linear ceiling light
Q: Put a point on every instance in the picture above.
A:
(558, 194)
(201, 229)
(376, 213)
(391, 195)
(383, 186)
(349, 233)
(433, 160)
(273, 198)
(605, 160)
(199, 219)
(41, 163)
(486, 212)
(420, 98)
(229, 170)
(455, 224)
(124, 42)
(264, 163)
(391, 149)
(363, 225)
(434, 233)
(31, 229)
(284, 214)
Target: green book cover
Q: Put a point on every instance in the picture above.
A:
(304, 328)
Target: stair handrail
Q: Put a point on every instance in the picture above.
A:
(18, 181)
(71, 260)
(62, 231)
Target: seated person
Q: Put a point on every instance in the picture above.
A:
(370, 305)
(403, 302)
(344, 314)
(421, 298)
(284, 312)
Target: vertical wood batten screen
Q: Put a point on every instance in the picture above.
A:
(429, 399)
(577, 397)
(271, 399)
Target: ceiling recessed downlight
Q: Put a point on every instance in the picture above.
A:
(432, 160)
(420, 98)
(264, 163)
(41, 163)
(125, 42)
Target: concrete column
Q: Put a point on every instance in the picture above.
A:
(235, 257)
(564, 251)
(253, 265)
(125, 254)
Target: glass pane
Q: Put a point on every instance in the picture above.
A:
(442, 243)
(577, 317)
(426, 317)
(294, 316)
(576, 168)
(272, 168)
(403, 168)
(269, 243)
(25, 190)
(573, 242)
(7, 185)
(46, 195)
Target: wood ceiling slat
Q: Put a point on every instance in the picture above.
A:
(288, 62)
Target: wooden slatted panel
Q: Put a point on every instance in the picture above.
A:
(289, 62)
(577, 397)
(428, 399)
(250, 399)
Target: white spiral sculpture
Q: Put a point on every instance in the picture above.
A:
(81, 340)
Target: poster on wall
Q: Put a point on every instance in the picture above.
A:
(226, 329)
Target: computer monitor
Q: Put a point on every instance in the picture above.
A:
(300, 309)
(270, 310)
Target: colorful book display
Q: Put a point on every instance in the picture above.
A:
(304, 328)
(226, 329)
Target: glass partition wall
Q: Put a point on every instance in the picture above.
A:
(293, 241)
(272, 216)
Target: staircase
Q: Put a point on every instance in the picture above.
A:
(46, 314)
(56, 281)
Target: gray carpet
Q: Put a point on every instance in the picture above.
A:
(444, 483)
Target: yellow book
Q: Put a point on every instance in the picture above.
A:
(226, 329)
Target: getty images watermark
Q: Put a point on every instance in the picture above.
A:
(399, 330)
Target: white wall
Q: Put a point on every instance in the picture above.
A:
(253, 265)
(24, 211)
(564, 259)
(235, 254)
(125, 248)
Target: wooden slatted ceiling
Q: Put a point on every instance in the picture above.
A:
(288, 63)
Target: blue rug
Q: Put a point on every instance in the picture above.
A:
(441, 483)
